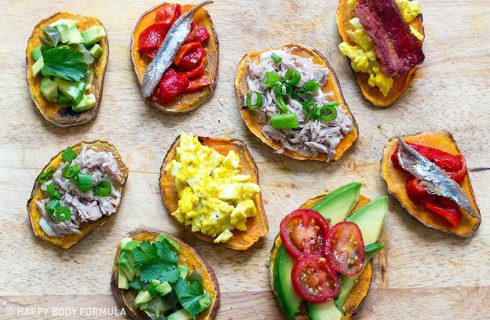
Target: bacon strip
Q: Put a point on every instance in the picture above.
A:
(397, 48)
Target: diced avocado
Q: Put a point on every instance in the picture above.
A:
(180, 315)
(36, 53)
(37, 67)
(338, 204)
(96, 51)
(184, 271)
(49, 89)
(323, 311)
(196, 274)
(73, 90)
(89, 79)
(370, 219)
(129, 244)
(171, 244)
(87, 102)
(93, 35)
(69, 34)
(289, 300)
(124, 265)
(67, 22)
(163, 288)
(143, 297)
(62, 99)
(156, 308)
(122, 280)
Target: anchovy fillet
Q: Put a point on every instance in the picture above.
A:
(167, 51)
(433, 178)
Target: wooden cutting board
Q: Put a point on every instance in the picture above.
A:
(428, 274)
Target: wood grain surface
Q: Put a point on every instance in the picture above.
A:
(426, 274)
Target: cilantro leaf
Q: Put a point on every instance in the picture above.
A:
(165, 253)
(160, 271)
(192, 296)
(64, 63)
(145, 254)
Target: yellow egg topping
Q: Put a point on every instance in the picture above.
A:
(214, 198)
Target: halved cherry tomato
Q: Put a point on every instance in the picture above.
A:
(313, 280)
(169, 13)
(197, 34)
(303, 231)
(198, 84)
(151, 39)
(345, 248)
(189, 56)
(171, 85)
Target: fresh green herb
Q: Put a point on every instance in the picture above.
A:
(192, 296)
(284, 121)
(311, 86)
(253, 100)
(53, 193)
(374, 247)
(62, 213)
(292, 76)
(51, 206)
(161, 271)
(84, 182)
(64, 63)
(270, 79)
(47, 175)
(51, 37)
(136, 285)
(69, 155)
(276, 58)
(72, 172)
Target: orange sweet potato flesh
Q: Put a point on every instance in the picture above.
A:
(363, 283)
(87, 227)
(187, 256)
(189, 101)
(257, 226)
(373, 94)
(251, 117)
(61, 115)
(395, 181)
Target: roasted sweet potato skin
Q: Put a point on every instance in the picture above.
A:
(189, 101)
(373, 94)
(251, 117)
(187, 255)
(363, 283)
(85, 228)
(257, 227)
(396, 179)
(58, 114)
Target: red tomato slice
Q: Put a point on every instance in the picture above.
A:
(345, 248)
(169, 13)
(313, 280)
(303, 231)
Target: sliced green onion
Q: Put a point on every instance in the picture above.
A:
(281, 105)
(284, 121)
(71, 173)
(276, 58)
(62, 213)
(311, 86)
(51, 170)
(69, 155)
(84, 182)
(254, 100)
(328, 112)
(53, 193)
(270, 79)
(103, 189)
(292, 76)
(332, 103)
(47, 175)
(51, 206)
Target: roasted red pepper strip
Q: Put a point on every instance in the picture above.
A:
(197, 34)
(169, 13)
(450, 214)
(151, 39)
(171, 85)
(189, 56)
(198, 84)
(197, 71)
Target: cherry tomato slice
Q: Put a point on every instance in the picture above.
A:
(169, 13)
(313, 280)
(303, 231)
(345, 248)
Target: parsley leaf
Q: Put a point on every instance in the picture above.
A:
(64, 63)
(156, 261)
(160, 271)
(192, 296)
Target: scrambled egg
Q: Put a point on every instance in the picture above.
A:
(363, 54)
(214, 198)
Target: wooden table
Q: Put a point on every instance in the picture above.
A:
(428, 274)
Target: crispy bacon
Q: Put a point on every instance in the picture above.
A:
(397, 48)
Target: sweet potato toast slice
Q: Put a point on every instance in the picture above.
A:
(187, 255)
(251, 117)
(189, 101)
(257, 226)
(373, 94)
(395, 181)
(61, 115)
(363, 283)
(87, 227)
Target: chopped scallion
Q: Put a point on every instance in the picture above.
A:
(281, 105)
(270, 79)
(284, 121)
(292, 76)
(84, 182)
(47, 175)
(53, 193)
(328, 112)
(253, 100)
(71, 173)
(62, 213)
(276, 58)
(51, 206)
(103, 189)
(69, 155)
(311, 86)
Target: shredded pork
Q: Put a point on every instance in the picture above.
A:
(313, 137)
(84, 206)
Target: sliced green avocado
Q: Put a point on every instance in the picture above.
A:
(338, 204)
(49, 89)
(36, 53)
(69, 34)
(93, 35)
(87, 102)
(96, 51)
(370, 219)
(122, 280)
(180, 315)
(72, 90)
(37, 67)
(289, 300)
(323, 311)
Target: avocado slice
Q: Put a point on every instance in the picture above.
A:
(180, 315)
(37, 53)
(49, 89)
(122, 280)
(338, 204)
(370, 219)
(72, 90)
(322, 311)
(37, 66)
(96, 51)
(289, 300)
(87, 102)
(93, 35)
(69, 34)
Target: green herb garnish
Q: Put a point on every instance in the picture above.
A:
(64, 63)
(84, 182)
(69, 155)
